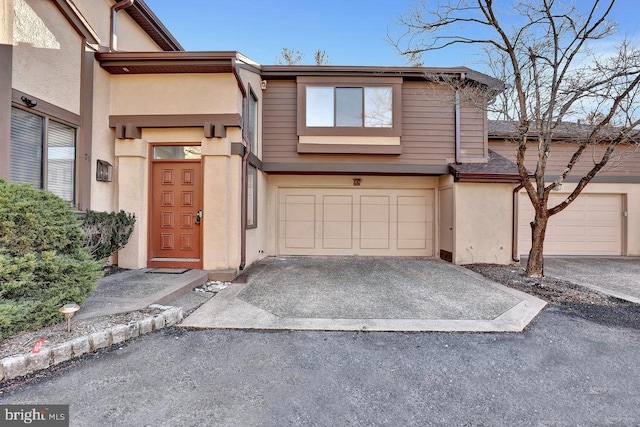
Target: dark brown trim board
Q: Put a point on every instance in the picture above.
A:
(446, 255)
(167, 62)
(407, 73)
(77, 21)
(349, 149)
(149, 22)
(214, 125)
(238, 149)
(6, 67)
(353, 168)
(43, 107)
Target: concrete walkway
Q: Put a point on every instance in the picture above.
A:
(366, 294)
(137, 289)
(615, 276)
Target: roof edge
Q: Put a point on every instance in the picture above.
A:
(142, 14)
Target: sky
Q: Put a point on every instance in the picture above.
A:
(352, 32)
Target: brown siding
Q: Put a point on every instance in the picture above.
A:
(427, 128)
(279, 126)
(624, 162)
(473, 132)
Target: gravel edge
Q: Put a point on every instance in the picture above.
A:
(16, 366)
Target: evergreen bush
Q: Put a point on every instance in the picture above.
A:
(107, 232)
(43, 261)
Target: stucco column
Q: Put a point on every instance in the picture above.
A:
(133, 197)
(221, 200)
(6, 66)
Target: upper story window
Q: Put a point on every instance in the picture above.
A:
(349, 106)
(43, 153)
(252, 128)
(369, 107)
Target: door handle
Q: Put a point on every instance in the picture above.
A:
(199, 216)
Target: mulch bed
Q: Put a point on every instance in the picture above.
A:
(574, 299)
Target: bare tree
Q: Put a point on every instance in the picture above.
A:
(295, 57)
(321, 57)
(289, 57)
(545, 52)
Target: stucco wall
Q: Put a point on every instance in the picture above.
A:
(174, 94)
(104, 195)
(483, 223)
(47, 54)
(130, 36)
(257, 242)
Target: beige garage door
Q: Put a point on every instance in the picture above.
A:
(591, 225)
(324, 221)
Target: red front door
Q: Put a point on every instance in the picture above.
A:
(176, 212)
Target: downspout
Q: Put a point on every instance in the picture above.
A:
(514, 218)
(113, 38)
(457, 121)
(243, 181)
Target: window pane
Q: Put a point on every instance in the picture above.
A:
(177, 152)
(378, 107)
(349, 106)
(252, 130)
(26, 147)
(252, 196)
(320, 106)
(61, 160)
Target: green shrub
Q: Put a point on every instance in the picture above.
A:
(107, 232)
(43, 261)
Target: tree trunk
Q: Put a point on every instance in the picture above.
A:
(535, 264)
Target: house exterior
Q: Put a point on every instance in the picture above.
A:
(225, 161)
(604, 220)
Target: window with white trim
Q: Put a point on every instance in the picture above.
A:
(368, 107)
(43, 153)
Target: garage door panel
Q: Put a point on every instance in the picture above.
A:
(591, 225)
(374, 244)
(374, 230)
(328, 243)
(300, 208)
(392, 222)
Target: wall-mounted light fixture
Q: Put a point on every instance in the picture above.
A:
(104, 171)
(29, 102)
(263, 85)
(357, 182)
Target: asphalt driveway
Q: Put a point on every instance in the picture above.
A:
(619, 276)
(366, 293)
(564, 370)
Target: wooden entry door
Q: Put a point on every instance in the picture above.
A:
(176, 213)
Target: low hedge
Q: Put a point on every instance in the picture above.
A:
(44, 263)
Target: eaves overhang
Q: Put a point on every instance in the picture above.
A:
(151, 24)
(170, 62)
(289, 72)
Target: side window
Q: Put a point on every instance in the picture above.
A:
(43, 153)
(252, 128)
(355, 107)
(252, 197)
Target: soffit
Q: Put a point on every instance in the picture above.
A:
(166, 62)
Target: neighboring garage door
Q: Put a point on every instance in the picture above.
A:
(324, 221)
(591, 225)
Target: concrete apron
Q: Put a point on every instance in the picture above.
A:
(366, 294)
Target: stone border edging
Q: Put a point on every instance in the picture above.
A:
(23, 364)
